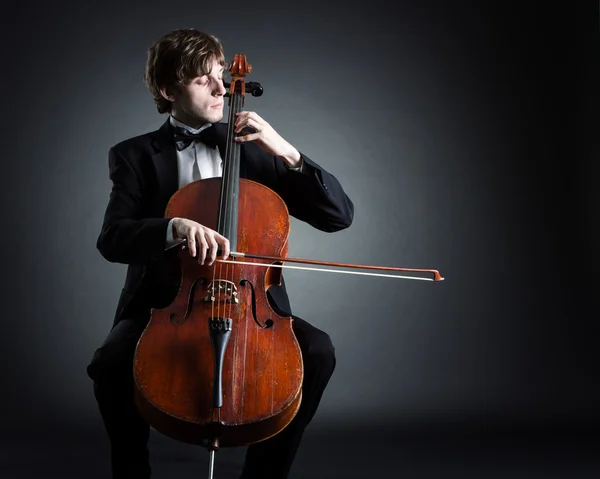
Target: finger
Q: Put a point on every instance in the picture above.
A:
(241, 117)
(203, 247)
(245, 123)
(191, 246)
(247, 130)
(239, 126)
(252, 123)
(252, 115)
(245, 117)
(213, 246)
(248, 137)
(225, 247)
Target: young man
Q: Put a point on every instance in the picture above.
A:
(184, 74)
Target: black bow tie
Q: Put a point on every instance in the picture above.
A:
(184, 138)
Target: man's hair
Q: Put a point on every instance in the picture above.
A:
(178, 57)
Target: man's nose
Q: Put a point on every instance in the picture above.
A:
(220, 90)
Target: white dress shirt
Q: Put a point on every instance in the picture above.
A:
(197, 161)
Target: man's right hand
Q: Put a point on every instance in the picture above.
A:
(201, 241)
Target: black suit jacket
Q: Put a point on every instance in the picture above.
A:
(144, 173)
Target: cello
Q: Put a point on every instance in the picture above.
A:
(218, 367)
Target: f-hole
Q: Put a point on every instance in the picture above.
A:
(268, 322)
(190, 300)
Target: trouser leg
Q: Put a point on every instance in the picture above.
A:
(112, 372)
(273, 458)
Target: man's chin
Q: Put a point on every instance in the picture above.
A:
(215, 117)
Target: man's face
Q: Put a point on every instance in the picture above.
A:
(201, 101)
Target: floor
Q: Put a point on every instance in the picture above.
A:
(415, 453)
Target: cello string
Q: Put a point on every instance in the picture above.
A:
(230, 175)
(233, 174)
(223, 226)
(235, 267)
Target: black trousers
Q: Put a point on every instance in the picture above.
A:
(111, 369)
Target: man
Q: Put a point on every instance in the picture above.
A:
(184, 74)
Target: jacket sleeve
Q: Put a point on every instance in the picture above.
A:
(313, 195)
(127, 236)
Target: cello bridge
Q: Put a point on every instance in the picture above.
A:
(221, 290)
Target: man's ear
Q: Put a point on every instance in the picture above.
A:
(168, 94)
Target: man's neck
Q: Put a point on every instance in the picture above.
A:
(187, 124)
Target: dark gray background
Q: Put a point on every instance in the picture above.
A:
(463, 133)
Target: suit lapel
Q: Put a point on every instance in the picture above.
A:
(221, 135)
(165, 161)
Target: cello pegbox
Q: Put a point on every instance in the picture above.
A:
(239, 69)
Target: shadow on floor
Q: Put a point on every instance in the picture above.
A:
(415, 452)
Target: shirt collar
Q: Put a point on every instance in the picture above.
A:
(176, 122)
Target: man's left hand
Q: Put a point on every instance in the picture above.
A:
(266, 137)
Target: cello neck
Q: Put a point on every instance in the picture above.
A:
(227, 221)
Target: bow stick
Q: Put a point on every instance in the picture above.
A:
(435, 273)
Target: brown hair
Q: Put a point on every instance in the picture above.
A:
(178, 57)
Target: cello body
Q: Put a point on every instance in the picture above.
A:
(176, 364)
